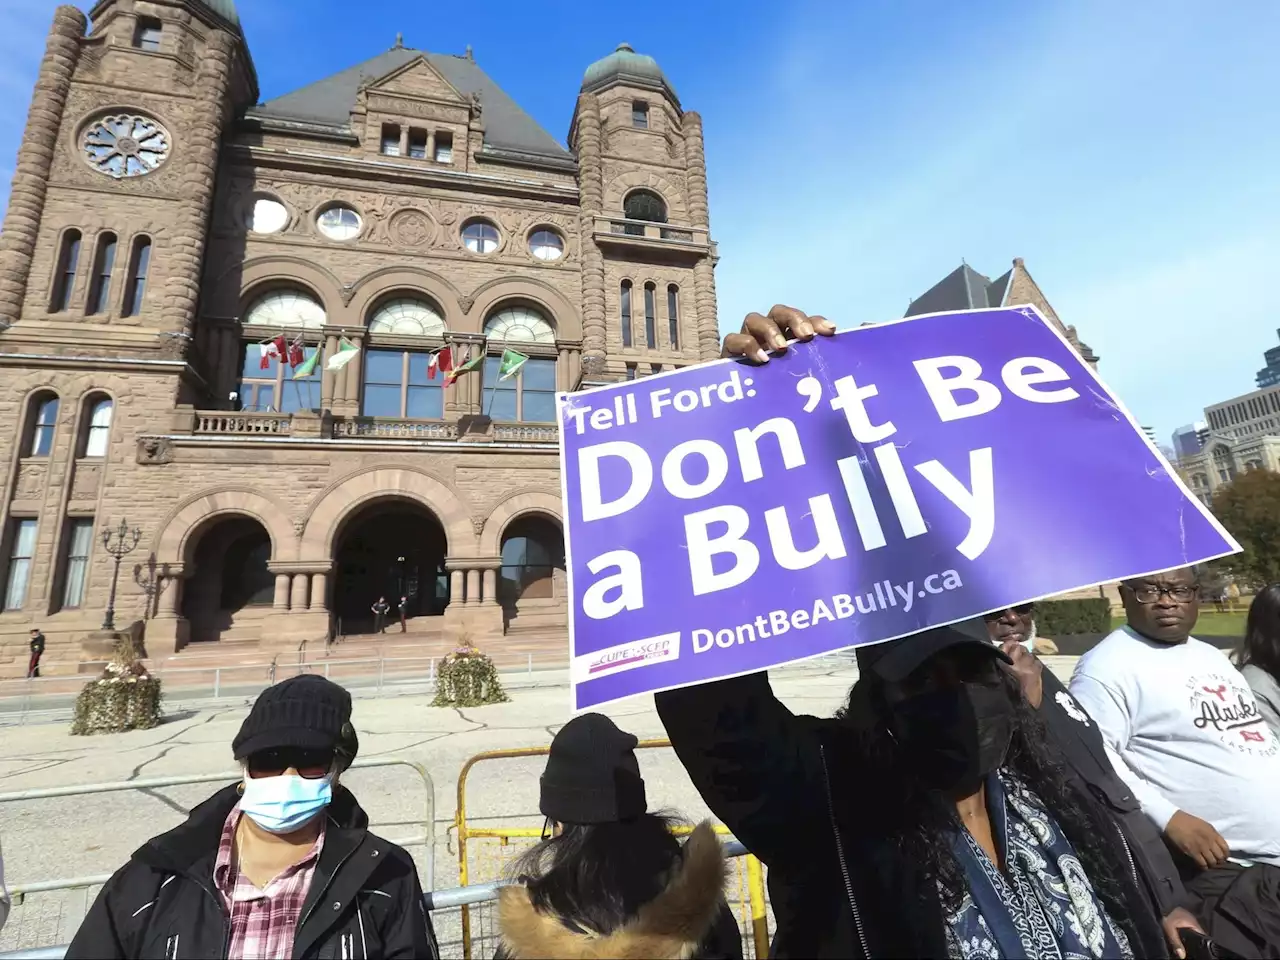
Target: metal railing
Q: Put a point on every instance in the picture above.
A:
(435, 901)
(80, 886)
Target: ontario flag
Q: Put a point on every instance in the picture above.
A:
(441, 360)
(468, 362)
(272, 350)
(297, 353)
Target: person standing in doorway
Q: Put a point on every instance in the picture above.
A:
(404, 614)
(380, 610)
(37, 651)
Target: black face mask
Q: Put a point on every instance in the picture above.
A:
(954, 737)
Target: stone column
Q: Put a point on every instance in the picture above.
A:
(35, 158)
(281, 601)
(404, 140)
(591, 178)
(490, 597)
(319, 588)
(704, 280)
(167, 604)
(431, 145)
(473, 587)
(353, 373)
(299, 597)
(327, 376)
(199, 159)
(456, 593)
(704, 297)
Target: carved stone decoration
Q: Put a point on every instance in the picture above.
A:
(348, 291)
(298, 527)
(84, 485)
(477, 524)
(154, 451)
(411, 228)
(31, 481)
(466, 303)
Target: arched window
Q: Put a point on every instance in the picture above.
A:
(532, 552)
(64, 280)
(44, 424)
(407, 315)
(645, 205)
(673, 315)
(626, 313)
(285, 310)
(650, 320)
(519, 324)
(136, 287)
(98, 432)
(104, 261)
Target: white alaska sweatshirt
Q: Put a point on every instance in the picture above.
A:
(1183, 730)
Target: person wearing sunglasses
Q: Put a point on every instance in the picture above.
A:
(1080, 744)
(280, 864)
(1184, 731)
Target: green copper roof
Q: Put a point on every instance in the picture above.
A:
(624, 65)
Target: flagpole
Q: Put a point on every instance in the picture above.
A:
(494, 392)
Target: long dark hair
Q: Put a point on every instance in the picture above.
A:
(921, 821)
(1261, 645)
(598, 876)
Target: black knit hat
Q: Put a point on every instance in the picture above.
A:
(307, 712)
(592, 775)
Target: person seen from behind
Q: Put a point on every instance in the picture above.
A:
(1077, 738)
(281, 864)
(1259, 655)
(1184, 730)
(930, 817)
(611, 881)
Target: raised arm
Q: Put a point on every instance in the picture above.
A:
(757, 766)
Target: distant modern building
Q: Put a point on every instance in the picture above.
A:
(966, 289)
(1243, 434)
(1189, 440)
(1269, 376)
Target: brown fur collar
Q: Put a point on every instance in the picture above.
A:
(668, 927)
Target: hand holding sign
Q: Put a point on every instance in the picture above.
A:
(880, 482)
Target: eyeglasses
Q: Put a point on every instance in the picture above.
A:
(310, 764)
(1148, 593)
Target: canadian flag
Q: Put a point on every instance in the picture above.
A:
(272, 350)
(297, 353)
(441, 360)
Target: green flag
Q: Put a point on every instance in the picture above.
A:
(346, 353)
(511, 364)
(308, 366)
(473, 361)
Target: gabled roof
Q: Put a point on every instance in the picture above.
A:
(329, 101)
(962, 289)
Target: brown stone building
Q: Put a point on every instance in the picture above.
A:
(163, 224)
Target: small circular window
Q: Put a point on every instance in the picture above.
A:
(125, 145)
(339, 222)
(480, 236)
(546, 244)
(268, 215)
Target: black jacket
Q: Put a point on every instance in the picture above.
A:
(37, 645)
(364, 901)
(1078, 739)
(796, 794)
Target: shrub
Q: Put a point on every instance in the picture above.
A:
(1059, 618)
(125, 697)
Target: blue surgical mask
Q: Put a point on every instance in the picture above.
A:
(285, 803)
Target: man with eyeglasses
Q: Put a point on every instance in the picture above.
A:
(280, 864)
(1183, 730)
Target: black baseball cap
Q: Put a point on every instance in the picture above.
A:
(894, 660)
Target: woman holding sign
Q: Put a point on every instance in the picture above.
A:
(929, 818)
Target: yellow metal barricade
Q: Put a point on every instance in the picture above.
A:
(747, 872)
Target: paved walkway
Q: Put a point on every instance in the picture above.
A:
(85, 836)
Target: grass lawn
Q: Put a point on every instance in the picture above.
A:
(1211, 623)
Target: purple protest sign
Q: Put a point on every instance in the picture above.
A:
(729, 518)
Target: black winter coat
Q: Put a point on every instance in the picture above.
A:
(797, 796)
(364, 901)
(1078, 739)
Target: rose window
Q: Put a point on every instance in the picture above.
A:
(126, 145)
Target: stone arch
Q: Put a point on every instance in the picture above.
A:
(256, 277)
(175, 536)
(517, 505)
(342, 499)
(562, 314)
(401, 280)
(672, 193)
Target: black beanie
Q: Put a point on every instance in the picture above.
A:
(592, 775)
(307, 712)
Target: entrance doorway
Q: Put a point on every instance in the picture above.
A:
(390, 549)
(230, 589)
(532, 566)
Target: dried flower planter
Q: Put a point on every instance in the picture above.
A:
(125, 697)
(467, 678)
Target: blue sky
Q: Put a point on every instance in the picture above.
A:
(858, 150)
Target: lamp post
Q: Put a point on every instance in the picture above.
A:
(153, 582)
(118, 543)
